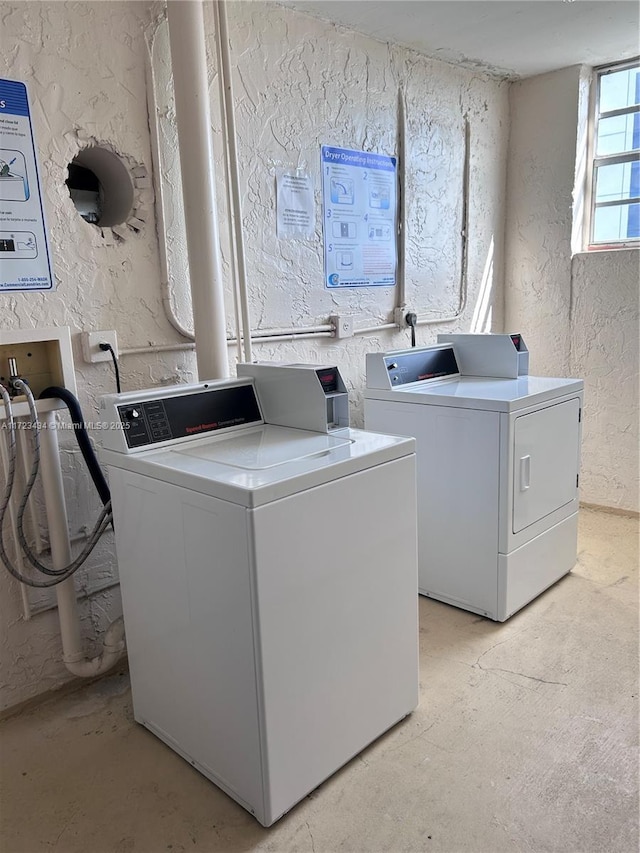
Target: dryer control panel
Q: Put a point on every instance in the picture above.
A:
(403, 367)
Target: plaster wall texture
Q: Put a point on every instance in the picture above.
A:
(540, 180)
(298, 83)
(604, 349)
(84, 67)
(579, 313)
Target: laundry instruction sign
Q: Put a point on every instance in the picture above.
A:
(360, 218)
(25, 261)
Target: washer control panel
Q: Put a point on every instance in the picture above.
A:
(148, 422)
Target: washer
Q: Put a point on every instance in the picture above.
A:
(498, 461)
(269, 580)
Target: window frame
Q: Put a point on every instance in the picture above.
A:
(595, 162)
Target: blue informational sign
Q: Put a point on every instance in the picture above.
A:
(25, 260)
(360, 218)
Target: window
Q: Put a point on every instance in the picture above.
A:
(615, 180)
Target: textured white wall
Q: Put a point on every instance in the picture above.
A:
(84, 67)
(299, 83)
(283, 118)
(579, 316)
(604, 349)
(542, 146)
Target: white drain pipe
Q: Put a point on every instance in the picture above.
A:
(72, 653)
(193, 114)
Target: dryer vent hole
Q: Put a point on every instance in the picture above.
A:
(100, 187)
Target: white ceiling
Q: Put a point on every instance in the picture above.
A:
(513, 38)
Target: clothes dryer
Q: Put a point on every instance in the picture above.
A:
(498, 470)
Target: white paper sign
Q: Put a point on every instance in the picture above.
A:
(25, 261)
(359, 215)
(295, 206)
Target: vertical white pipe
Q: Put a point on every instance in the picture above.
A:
(240, 307)
(234, 177)
(158, 183)
(55, 506)
(401, 238)
(189, 61)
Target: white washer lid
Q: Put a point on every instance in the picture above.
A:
(264, 463)
(267, 448)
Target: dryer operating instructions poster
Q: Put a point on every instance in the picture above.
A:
(360, 218)
(24, 253)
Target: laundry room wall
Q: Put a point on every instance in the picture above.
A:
(84, 66)
(299, 83)
(578, 312)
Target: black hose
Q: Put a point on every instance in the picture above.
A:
(411, 319)
(109, 348)
(82, 437)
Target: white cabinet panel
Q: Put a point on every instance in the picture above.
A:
(529, 570)
(185, 575)
(545, 470)
(457, 452)
(338, 622)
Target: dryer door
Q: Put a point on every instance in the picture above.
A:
(545, 469)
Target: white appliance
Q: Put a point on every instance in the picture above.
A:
(497, 462)
(269, 585)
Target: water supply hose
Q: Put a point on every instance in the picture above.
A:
(82, 437)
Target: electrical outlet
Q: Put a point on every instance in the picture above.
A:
(343, 324)
(91, 346)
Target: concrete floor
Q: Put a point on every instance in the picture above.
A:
(524, 740)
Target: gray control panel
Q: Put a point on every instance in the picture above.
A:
(148, 422)
(387, 370)
(420, 365)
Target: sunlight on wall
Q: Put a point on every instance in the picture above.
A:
(482, 313)
(581, 187)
